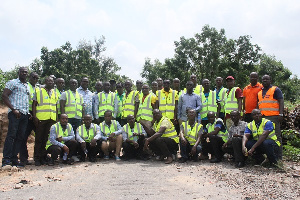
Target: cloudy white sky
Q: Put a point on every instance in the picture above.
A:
(136, 29)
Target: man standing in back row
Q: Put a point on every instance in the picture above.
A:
(271, 104)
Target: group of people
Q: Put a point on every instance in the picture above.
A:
(77, 124)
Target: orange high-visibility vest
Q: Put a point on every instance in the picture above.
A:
(267, 104)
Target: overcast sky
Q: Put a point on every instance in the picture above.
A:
(136, 29)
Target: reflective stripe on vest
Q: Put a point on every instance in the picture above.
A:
(222, 97)
(231, 103)
(256, 133)
(209, 105)
(87, 136)
(191, 134)
(167, 104)
(58, 103)
(211, 127)
(106, 103)
(108, 130)
(46, 106)
(128, 104)
(170, 133)
(31, 91)
(60, 133)
(145, 109)
(267, 104)
(73, 105)
(120, 105)
(137, 129)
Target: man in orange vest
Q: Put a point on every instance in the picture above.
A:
(250, 96)
(271, 104)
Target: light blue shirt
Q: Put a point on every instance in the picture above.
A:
(87, 96)
(20, 95)
(188, 101)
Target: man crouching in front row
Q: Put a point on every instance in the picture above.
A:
(61, 141)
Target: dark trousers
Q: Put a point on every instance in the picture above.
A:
(267, 147)
(163, 146)
(41, 138)
(248, 118)
(186, 149)
(55, 150)
(131, 152)
(75, 123)
(275, 120)
(123, 122)
(214, 146)
(234, 147)
(15, 136)
(92, 150)
(24, 151)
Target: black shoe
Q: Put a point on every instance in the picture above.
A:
(69, 161)
(215, 160)
(182, 160)
(18, 164)
(6, 162)
(92, 159)
(51, 162)
(239, 164)
(37, 163)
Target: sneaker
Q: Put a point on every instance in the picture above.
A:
(169, 160)
(37, 163)
(118, 158)
(106, 157)
(6, 162)
(75, 159)
(18, 164)
(51, 162)
(69, 161)
(215, 160)
(182, 160)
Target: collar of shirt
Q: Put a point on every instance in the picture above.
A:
(255, 86)
(91, 126)
(267, 87)
(86, 91)
(170, 91)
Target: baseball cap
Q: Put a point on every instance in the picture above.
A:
(229, 77)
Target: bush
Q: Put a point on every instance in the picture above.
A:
(291, 150)
(291, 153)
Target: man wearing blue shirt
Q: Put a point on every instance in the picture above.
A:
(263, 140)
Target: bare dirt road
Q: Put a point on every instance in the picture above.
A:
(148, 180)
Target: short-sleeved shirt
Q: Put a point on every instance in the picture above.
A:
(250, 93)
(20, 95)
(268, 127)
(219, 124)
(277, 93)
(239, 129)
(87, 96)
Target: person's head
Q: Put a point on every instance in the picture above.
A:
(211, 117)
(266, 81)
(230, 82)
(189, 87)
(154, 86)
(206, 84)
(193, 78)
(112, 85)
(49, 83)
(159, 82)
(73, 84)
(235, 116)
(87, 120)
(63, 119)
(106, 87)
(139, 85)
(60, 84)
(23, 73)
(108, 116)
(98, 86)
(33, 78)
(128, 85)
(145, 89)
(130, 120)
(256, 115)
(84, 83)
(219, 82)
(119, 87)
(157, 115)
(176, 84)
(167, 84)
(253, 78)
(191, 114)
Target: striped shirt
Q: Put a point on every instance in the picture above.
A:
(87, 96)
(19, 98)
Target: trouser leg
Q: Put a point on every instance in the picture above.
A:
(92, 150)
(163, 146)
(228, 149)
(268, 147)
(217, 143)
(275, 120)
(54, 150)
(237, 149)
(23, 149)
(129, 150)
(116, 145)
(258, 153)
(184, 149)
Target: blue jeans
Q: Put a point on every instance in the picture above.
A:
(186, 149)
(267, 147)
(15, 137)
